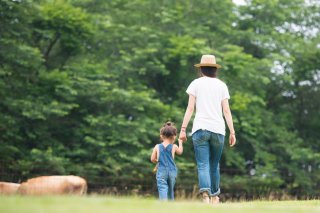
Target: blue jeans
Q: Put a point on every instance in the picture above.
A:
(165, 183)
(208, 147)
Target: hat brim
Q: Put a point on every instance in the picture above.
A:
(208, 65)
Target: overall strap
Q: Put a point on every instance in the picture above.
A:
(160, 148)
(169, 148)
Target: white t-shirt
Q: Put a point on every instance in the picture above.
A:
(209, 93)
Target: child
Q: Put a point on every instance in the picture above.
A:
(163, 154)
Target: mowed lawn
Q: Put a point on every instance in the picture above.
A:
(97, 204)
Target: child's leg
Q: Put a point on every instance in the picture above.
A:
(162, 188)
(171, 183)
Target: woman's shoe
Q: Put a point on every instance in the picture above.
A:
(205, 197)
(214, 200)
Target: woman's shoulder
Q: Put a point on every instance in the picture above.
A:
(197, 80)
(221, 82)
(200, 80)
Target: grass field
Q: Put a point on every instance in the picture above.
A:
(97, 204)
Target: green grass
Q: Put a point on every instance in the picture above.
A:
(97, 204)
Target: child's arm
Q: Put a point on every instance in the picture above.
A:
(179, 149)
(154, 155)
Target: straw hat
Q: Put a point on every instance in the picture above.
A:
(208, 61)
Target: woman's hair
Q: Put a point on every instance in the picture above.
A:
(168, 130)
(209, 71)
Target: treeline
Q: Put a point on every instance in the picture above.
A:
(85, 86)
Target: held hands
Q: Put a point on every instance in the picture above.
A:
(179, 149)
(183, 135)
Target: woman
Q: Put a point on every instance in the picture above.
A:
(210, 96)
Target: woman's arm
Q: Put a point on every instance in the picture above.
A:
(228, 117)
(187, 117)
(154, 155)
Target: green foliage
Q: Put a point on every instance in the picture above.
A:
(85, 86)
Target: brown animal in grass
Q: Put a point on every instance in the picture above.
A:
(7, 188)
(54, 185)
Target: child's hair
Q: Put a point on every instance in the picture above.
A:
(168, 130)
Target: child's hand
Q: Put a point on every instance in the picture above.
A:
(179, 149)
(155, 168)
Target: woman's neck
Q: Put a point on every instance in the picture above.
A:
(209, 76)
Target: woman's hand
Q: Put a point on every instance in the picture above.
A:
(183, 135)
(232, 139)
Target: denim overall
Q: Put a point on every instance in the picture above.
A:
(166, 173)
